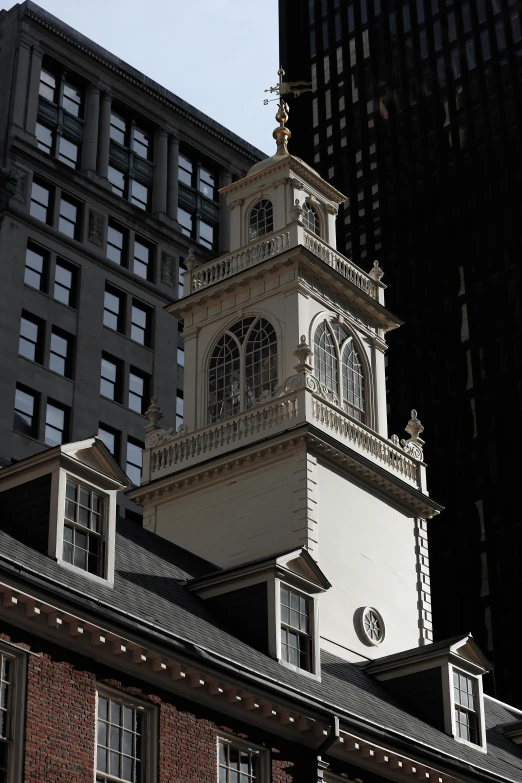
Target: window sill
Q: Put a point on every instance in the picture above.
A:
(134, 342)
(298, 670)
(47, 369)
(79, 571)
(121, 405)
(48, 296)
(474, 745)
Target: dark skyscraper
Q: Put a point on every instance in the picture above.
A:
(416, 116)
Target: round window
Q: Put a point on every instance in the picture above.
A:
(372, 625)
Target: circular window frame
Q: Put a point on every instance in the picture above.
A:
(364, 613)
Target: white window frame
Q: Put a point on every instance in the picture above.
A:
(449, 705)
(57, 520)
(149, 742)
(262, 753)
(274, 625)
(16, 741)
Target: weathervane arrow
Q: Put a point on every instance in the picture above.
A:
(289, 88)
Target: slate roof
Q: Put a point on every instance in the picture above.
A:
(149, 586)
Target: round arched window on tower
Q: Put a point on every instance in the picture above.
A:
(261, 219)
(372, 625)
(311, 218)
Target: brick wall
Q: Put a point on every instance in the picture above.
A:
(60, 724)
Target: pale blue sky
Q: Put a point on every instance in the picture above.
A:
(219, 55)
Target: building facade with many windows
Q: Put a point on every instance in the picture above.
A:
(115, 180)
(416, 116)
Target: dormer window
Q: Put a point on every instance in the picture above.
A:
(296, 640)
(311, 218)
(466, 712)
(261, 219)
(84, 528)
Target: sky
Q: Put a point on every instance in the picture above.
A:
(219, 55)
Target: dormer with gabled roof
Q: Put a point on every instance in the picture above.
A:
(68, 498)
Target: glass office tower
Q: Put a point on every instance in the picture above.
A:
(416, 116)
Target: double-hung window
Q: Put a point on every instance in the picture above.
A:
(140, 324)
(56, 424)
(238, 762)
(65, 280)
(26, 411)
(114, 310)
(198, 212)
(138, 391)
(111, 377)
(466, 707)
(296, 632)
(60, 354)
(69, 218)
(84, 528)
(59, 128)
(11, 700)
(31, 338)
(41, 201)
(123, 740)
(134, 461)
(130, 169)
(36, 266)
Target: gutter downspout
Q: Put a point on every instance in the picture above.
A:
(325, 746)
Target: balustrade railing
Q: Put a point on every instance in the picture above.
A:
(393, 458)
(257, 252)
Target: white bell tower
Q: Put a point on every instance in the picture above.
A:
(285, 442)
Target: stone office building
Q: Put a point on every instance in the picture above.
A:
(116, 178)
(270, 622)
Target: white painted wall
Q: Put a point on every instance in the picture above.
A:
(245, 518)
(367, 551)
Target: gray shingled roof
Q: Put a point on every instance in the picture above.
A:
(149, 585)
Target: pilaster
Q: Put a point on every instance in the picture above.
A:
(33, 91)
(104, 136)
(172, 177)
(90, 134)
(159, 187)
(23, 65)
(224, 221)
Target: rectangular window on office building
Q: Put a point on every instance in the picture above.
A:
(142, 259)
(114, 309)
(31, 338)
(140, 324)
(111, 438)
(41, 201)
(179, 409)
(69, 218)
(56, 424)
(36, 266)
(65, 280)
(26, 411)
(110, 380)
(138, 391)
(60, 354)
(115, 243)
(134, 462)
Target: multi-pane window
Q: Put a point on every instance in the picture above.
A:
(40, 207)
(111, 438)
(25, 412)
(311, 218)
(337, 365)
(179, 408)
(296, 640)
(84, 528)
(198, 212)
(115, 243)
(31, 338)
(142, 259)
(243, 366)
(10, 717)
(130, 172)
(181, 282)
(113, 310)
(466, 712)
(65, 283)
(138, 391)
(121, 741)
(110, 379)
(134, 461)
(261, 219)
(69, 218)
(36, 265)
(237, 764)
(56, 424)
(59, 129)
(140, 324)
(60, 354)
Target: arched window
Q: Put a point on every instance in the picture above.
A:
(243, 365)
(261, 219)
(337, 366)
(311, 218)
